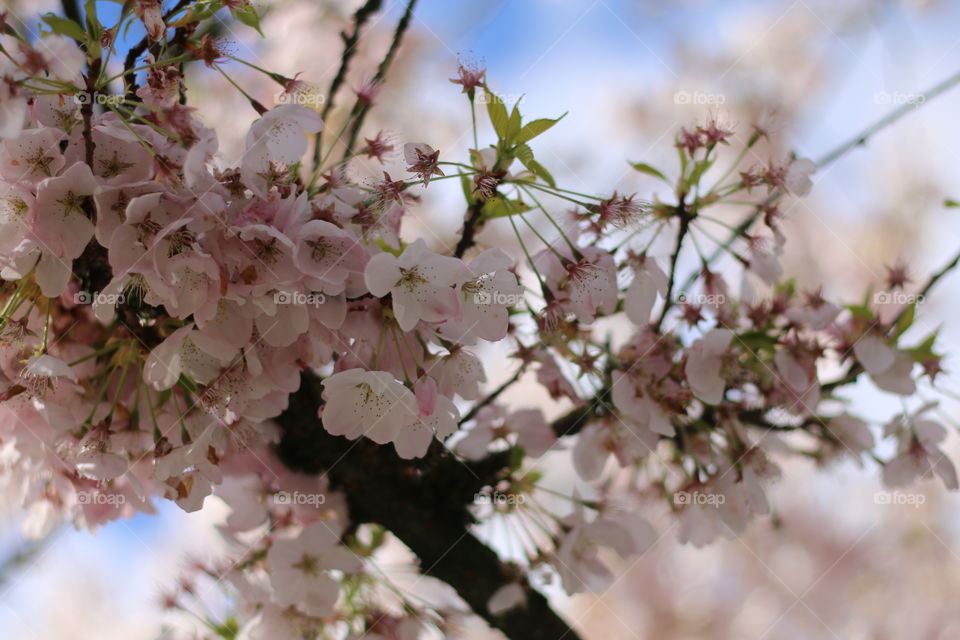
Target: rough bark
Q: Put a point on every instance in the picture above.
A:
(423, 503)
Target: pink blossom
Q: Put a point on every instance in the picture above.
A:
(420, 283)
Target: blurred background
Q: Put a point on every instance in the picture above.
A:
(835, 561)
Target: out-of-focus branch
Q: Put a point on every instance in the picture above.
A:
(71, 9)
(855, 368)
(361, 108)
(360, 18)
(829, 158)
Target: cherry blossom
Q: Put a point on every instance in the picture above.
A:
(419, 282)
(368, 403)
(299, 566)
(177, 324)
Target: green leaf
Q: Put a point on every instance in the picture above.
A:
(64, 26)
(199, 11)
(523, 153)
(643, 167)
(498, 114)
(860, 312)
(94, 49)
(906, 320)
(534, 128)
(757, 340)
(500, 207)
(93, 23)
(513, 124)
(699, 169)
(951, 203)
(924, 350)
(467, 185)
(541, 172)
(248, 15)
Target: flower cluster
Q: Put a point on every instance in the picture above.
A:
(161, 304)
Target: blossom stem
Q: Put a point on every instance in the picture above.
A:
(259, 108)
(46, 327)
(493, 395)
(523, 245)
(175, 60)
(100, 352)
(276, 77)
(563, 235)
(396, 341)
(557, 194)
(473, 121)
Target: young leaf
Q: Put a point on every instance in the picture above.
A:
(534, 128)
(542, 172)
(643, 167)
(513, 124)
(906, 320)
(498, 114)
(467, 185)
(523, 153)
(500, 207)
(64, 26)
(248, 15)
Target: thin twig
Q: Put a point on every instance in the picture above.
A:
(360, 18)
(493, 395)
(828, 159)
(361, 108)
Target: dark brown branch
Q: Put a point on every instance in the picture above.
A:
(71, 10)
(422, 502)
(140, 48)
(471, 225)
(685, 218)
(86, 110)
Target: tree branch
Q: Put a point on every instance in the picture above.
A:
(360, 18)
(471, 225)
(423, 502)
(360, 108)
(830, 157)
(681, 235)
